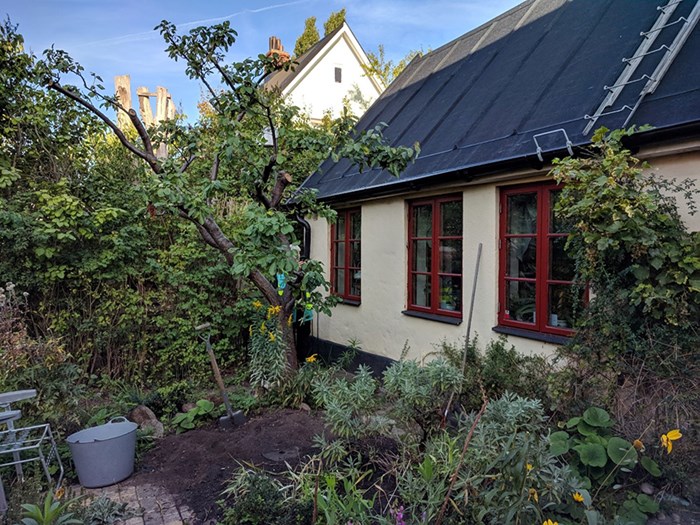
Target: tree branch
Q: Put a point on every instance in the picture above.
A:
(104, 118)
(202, 231)
(143, 134)
(187, 163)
(284, 179)
(265, 286)
(214, 173)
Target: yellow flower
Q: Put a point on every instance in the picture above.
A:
(529, 467)
(637, 443)
(272, 337)
(532, 494)
(668, 438)
(257, 304)
(273, 310)
(550, 522)
(289, 320)
(577, 497)
(250, 330)
(312, 358)
(263, 328)
(60, 493)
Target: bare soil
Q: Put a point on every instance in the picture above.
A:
(195, 466)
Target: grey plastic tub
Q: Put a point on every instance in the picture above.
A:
(104, 455)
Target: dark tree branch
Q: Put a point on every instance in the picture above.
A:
(214, 173)
(187, 163)
(260, 197)
(267, 170)
(104, 118)
(216, 103)
(202, 231)
(265, 286)
(141, 130)
(284, 179)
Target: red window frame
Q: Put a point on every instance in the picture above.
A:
(434, 272)
(542, 280)
(348, 243)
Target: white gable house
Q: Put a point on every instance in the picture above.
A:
(327, 76)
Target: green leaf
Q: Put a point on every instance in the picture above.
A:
(640, 272)
(651, 466)
(592, 454)
(205, 406)
(597, 417)
(593, 517)
(559, 443)
(622, 452)
(571, 423)
(585, 429)
(647, 504)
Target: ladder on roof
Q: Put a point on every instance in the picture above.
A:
(644, 50)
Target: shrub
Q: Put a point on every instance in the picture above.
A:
(254, 498)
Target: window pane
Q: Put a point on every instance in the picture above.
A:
(451, 218)
(564, 303)
(521, 254)
(421, 290)
(340, 226)
(355, 225)
(520, 301)
(340, 254)
(561, 266)
(340, 281)
(522, 213)
(451, 256)
(450, 293)
(355, 254)
(557, 224)
(355, 282)
(422, 220)
(422, 256)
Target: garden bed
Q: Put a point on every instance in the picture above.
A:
(194, 466)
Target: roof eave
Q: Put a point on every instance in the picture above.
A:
(528, 161)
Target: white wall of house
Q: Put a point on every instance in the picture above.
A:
(378, 324)
(681, 165)
(315, 89)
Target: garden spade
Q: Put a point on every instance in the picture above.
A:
(231, 419)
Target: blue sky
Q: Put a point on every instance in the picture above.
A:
(113, 37)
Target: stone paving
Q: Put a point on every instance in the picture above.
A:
(154, 505)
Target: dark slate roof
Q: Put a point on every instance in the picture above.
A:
(281, 79)
(475, 104)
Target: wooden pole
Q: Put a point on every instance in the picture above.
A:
(145, 106)
(122, 89)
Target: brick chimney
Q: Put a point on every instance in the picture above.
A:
(276, 48)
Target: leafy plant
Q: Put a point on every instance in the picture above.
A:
(255, 498)
(602, 459)
(203, 410)
(52, 512)
(420, 393)
(350, 406)
(342, 501)
(104, 511)
(629, 230)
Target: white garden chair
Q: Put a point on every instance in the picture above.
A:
(20, 445)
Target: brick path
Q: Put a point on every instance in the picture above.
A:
(154, 504)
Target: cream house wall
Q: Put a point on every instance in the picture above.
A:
(315, 90)
(378, 324)
(679, 166)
